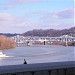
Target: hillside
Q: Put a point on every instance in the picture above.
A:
(45, 32)
(9, 34)
(50, 32)
(6, 43)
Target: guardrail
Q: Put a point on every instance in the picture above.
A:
(53, 68)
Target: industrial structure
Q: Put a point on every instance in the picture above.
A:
(46, 40)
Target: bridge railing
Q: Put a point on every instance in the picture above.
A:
(53, 68)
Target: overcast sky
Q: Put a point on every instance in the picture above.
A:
(19, 16)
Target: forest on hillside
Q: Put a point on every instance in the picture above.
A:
(44, 32)
(50, 32)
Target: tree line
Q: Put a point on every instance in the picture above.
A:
(50, 32)
(6, 42)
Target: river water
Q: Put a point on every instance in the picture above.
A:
(38, 54)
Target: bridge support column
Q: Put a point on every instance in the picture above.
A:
(49, 72)
(57, 72)
(44, 42)
(65, 73)
(32, 73)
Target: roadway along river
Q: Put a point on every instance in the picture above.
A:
(38, 54)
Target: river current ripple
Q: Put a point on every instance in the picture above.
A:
(38, 54)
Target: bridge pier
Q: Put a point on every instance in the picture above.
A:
(44, 42)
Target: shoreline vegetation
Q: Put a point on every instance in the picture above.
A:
(6, 42)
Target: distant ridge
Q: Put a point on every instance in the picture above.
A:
(9, 34)
(45, 32)
(50, 32)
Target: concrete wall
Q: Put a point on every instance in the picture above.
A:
(57, 68)
(69, 71)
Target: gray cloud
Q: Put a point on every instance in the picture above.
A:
(67, 13)
(62, 14)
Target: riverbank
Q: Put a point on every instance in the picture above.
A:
(6, 43)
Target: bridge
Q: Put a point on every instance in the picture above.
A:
(22, 39)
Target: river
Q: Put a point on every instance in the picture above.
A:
(38, 54)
